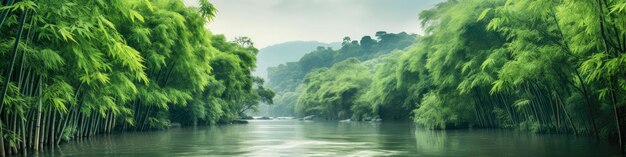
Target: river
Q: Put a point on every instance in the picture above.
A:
(314, 138)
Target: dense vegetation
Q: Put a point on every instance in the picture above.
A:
(286, 78)
(72, 69)
(553, 66)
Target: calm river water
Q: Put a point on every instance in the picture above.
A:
(313, 138)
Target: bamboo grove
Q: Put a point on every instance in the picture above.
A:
(553, 66)
(74, 69)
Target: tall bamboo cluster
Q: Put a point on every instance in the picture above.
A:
(542, 66)
(75, 69)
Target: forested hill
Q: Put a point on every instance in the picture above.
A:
(285, 78)
(292, 51)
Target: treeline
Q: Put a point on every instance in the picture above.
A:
(73, 69)
(536, 65)
(286, 78)
(544, 66)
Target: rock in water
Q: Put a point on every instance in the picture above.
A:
(309, 117)
(240, 121)
(377, 119)
(366, 119)
(174, 125)
(247, 117)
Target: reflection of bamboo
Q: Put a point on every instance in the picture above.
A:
(430, 139)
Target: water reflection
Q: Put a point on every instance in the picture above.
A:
(300, 138)
(507, 143)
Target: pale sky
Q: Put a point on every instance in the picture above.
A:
(270, 22)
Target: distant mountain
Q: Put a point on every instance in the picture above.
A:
(286, 52)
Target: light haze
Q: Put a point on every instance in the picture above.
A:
(270, 22)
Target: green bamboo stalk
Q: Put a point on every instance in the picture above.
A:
(6, 13)
(38, 124)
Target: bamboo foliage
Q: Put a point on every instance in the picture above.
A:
(75, 69)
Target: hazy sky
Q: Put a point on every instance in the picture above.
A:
(270, 22)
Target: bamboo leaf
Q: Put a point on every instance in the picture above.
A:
(484, 13)
(618, 8)
(135, 15)
(66, 35)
